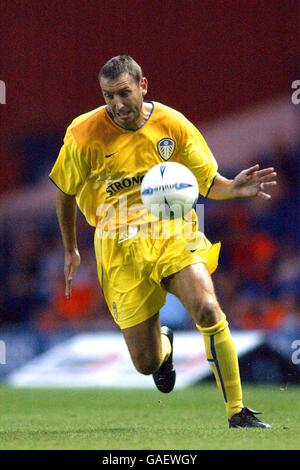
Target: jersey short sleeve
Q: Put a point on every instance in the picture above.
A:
(71, 168)
(198, 158)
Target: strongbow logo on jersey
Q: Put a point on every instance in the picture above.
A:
(125, 183)
(166, 148)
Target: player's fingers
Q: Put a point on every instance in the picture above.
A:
(263, 186)
(251, 170)
(263, 195)
(267, 184)
(265, 171)
(269, 177)
(68, 281)
(69, 287)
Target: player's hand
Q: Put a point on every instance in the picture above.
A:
(72, 263)
(254, 182)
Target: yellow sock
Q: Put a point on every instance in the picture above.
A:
(222, 356)
(166, 348)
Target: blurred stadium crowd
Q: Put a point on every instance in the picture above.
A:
(257, 282)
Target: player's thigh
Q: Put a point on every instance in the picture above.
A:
(144, 344)
(194, 287)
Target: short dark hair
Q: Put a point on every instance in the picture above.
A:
(121, 64)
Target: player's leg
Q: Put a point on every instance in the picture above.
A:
(133, 298)
(194, 287)
(151, 351)
(148, 348)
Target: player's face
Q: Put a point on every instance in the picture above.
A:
(124, 99)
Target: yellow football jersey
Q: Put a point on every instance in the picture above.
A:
(101, 163)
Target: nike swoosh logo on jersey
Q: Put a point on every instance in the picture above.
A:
(110, 155)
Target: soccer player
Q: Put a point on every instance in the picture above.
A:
(106, 153)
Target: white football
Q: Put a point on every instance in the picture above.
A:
(169, 190)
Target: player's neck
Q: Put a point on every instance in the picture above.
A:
(145, 114)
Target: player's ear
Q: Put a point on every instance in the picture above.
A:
(144, 86)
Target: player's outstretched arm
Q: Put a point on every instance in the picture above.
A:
(66, 210)
(251, 182)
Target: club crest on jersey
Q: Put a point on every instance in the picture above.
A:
(166, 148)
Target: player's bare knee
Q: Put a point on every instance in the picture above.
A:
(146, 365)
(146, 369)
(206, 312)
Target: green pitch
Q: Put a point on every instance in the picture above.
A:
(131, 419)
